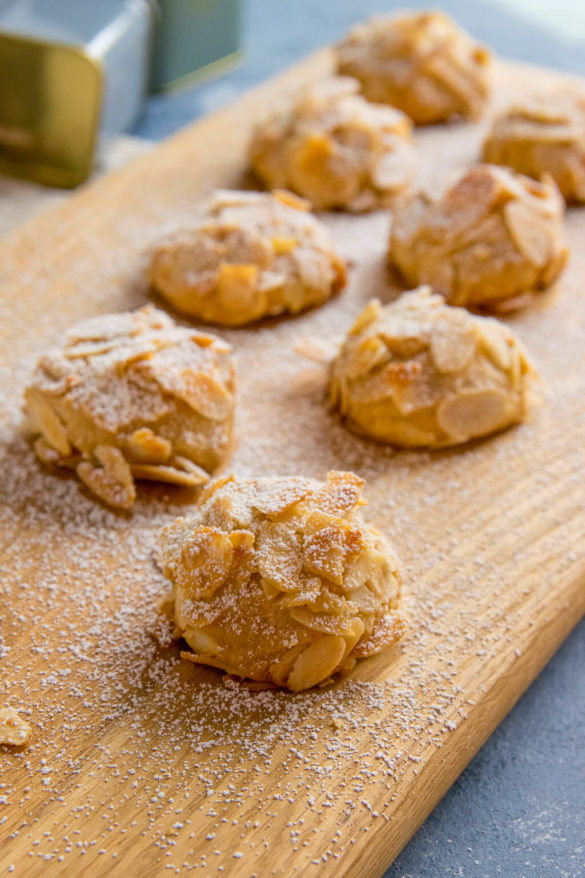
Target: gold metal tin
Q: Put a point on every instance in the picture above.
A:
(50, 105)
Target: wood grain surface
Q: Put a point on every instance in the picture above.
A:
(140, 763)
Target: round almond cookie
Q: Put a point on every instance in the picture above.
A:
(134, 396)
(280, 581)
(420, 62)
(543, 134)
(331, 146)
(252, 255)
(420, 373)
(490, 243)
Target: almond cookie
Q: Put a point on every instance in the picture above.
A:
(134, 396)
(491, 242)
(334, 148)
(420, 373)
(280, 581)
(543, 134)
(420, 62)
(252, 255)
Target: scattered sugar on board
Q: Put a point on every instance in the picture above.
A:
(135, 750)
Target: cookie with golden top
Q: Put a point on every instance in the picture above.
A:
(420, 373)
(543, 134)
(280, 581)
(490, 243)
(134, 396)
(251, 255)
(420, 62)
(331, 146)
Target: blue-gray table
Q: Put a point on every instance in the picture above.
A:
(518, 810)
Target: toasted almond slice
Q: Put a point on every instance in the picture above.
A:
(495, 338)
(370, 313)
(158, 472)
(112, 481)
(279, 556)
(387, 630)
(13, 729)
(48, 422)
(201, 642)
(206, 559)
(316, 663)
(272, 499)
(326, 623)
(453, 343)
(369, 353)
(530, 232)
(280, 670)
(472, 413)
(206, 395)
(324, 554)
(146, 446)
(341, 493)
(291, 200)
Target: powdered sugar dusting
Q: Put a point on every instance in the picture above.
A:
(136, 756)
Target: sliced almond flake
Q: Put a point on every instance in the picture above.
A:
(453, 342)
(387, 631)
(496, 339)
(327, 623)
(275, 496)
(157, 472)
(340, 494)
(530, 232)
(317, 662)
(309, 588)
(48, 422)
(370, 353)
(146, 446)
(472, 413)
(204, 393)
(200, 641)
(112, 481)
(206, 556)
(324, 554)
(368, 316)
(279, 556)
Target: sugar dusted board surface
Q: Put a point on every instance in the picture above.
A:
(139, 762)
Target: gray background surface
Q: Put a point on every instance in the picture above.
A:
(518, 810)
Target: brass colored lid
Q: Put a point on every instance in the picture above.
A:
(50, 105)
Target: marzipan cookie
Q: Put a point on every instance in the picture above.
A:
(134, 396)
(251, 255)
(280, 581)
(420, 373)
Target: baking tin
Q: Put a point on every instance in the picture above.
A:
(72, 74)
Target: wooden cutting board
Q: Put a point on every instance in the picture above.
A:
(140, 763)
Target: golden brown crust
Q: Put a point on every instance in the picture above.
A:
(420, 373)
(131, 396)
(420, 62)
(491, 242)
(334, 148)
(280, 580)
(251, 255)
(543, 134)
